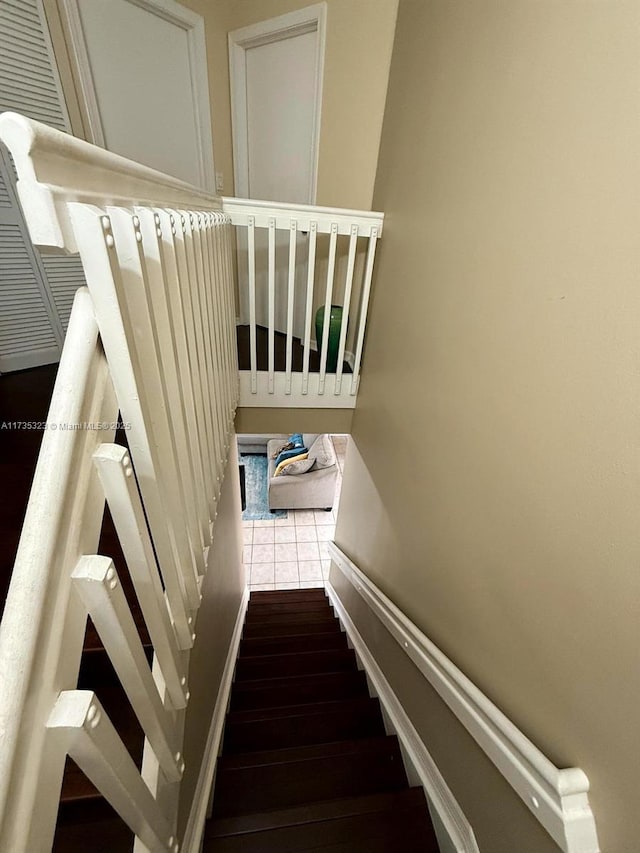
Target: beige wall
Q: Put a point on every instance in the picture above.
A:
(222, 592)
(250, 420)
(495, 492)
(358, 51)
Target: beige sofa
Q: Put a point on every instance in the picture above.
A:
(314, 490)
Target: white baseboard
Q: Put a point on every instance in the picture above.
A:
(419, 763)
(195, 825)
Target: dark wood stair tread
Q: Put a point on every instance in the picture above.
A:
(315, 812)
(298, 689)
(257, 609)
(322, 772)
(270, 596)
(291, 628)
(354, 824)
(297, 753)
(301, 725)
(254, 646)
(295, 663)
(94, 827)
(344, 706)
(283, 618)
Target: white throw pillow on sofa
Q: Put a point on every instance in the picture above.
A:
(321, 452)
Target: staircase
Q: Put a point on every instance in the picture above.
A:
(306, 764)
(98, 715)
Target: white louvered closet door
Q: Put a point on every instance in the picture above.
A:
(36, 291)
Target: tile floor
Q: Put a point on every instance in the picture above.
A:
(291, 552)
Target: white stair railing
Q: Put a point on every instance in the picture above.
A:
(153, 338)
(303, 275)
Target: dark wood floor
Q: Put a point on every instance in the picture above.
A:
(280, 352)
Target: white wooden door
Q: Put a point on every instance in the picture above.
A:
(144, 83)
(276, 82)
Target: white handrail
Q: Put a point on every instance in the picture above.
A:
(556, 797)
(55, 168)
(240, 209)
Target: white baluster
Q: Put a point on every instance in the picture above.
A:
(323, 350)
(291, 284)
(96, 581)
(217, 330)
(79, 720)
(311, 269)
(348, 286)
(272, 301)
(229, 304)
(366, 292)
(227, 300)
(205, 429)
(173, 282)
(210, 336)
(203, 355)
(231, 296)
(128, 240)
(167, 350)
(251, 260)
(219, 327)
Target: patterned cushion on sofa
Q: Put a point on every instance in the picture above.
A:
(296, 466)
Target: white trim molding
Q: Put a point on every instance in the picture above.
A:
(296, 397)
(558, 798)
(198, 814)
(77, 49)
(296, 23)
(458, 829)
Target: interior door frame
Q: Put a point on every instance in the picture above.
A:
(307, 20)
(176, 14)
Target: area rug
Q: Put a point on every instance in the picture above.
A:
(255, 480)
